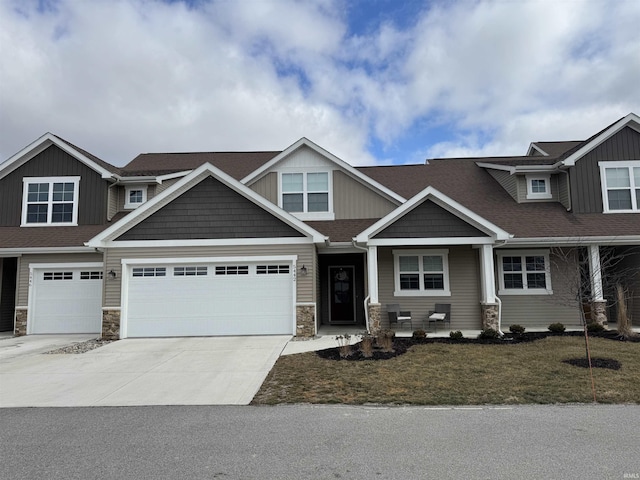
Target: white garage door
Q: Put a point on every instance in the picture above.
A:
(237, 298)
(66, 300)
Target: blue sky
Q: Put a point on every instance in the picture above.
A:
(372, 81)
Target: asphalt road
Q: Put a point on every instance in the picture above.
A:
(321, 442)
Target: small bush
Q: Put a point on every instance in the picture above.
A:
(488, 334)
(419, 334)
(556, 328)
(594, 327)
(457, 335)
(366, 345)
(385, 340)
(516, 329)
(344, 344)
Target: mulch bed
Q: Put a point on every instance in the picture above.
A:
(401, 345)
(609, 363)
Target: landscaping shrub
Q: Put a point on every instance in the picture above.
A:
(419, 334)
(516, 329)
(488, 334)
(366, 345)
(457, 335)
(593, 327)
(385, 340)
(556, 328)
(344, 342)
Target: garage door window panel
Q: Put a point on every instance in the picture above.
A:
(232, 270)
(58, 276)
(200, 271)
(150, 272)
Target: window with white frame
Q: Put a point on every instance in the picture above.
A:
(305, 192)
(135, 196)
(524, 272)
(620, 186)
(538, 187)
(421, 272)
(50, 201)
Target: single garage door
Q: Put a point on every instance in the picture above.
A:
(66, 300)
(239, 298)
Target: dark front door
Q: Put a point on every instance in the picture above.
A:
(342, 297)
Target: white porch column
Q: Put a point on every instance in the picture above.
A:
(595, 273)
(372, 271)
(487, 274)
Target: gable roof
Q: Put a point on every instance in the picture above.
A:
(344, 166)
(195, 177)
(105, 169)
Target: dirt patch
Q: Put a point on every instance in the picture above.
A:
(609, 363)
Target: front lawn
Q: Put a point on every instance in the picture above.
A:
(460, 374)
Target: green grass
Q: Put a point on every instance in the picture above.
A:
(452, 374)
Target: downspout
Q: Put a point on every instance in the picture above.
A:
(499, 315)
(366, 299)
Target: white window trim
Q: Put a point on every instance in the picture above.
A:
(26, 181)
(132, 206)
(524, 291)
(444, 253)
(306, 215)
(630, 164)
(531, 195)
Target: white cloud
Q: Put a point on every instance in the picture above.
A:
(126, 76)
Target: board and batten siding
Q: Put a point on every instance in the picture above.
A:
(463, 280)
(267, 187)
(352, 199)
(26, 260)
(305, 285)
(55, 162)
(539, 311)
(586, 190)
(507, 181)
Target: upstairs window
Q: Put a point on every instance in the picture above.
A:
(421, 273)
(306, 193)
(135, 196)
(524, 272)
(50, 201)
(538, 187)
(620, 186)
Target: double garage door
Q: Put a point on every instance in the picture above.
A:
(197, 299)
(66, 300)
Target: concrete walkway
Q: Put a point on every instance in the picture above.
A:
(161, 371)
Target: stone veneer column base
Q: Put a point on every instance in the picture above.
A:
(374, 310)
(111, 324)
(490, 316)
(305, 321)
(20, 327)
(599, 312)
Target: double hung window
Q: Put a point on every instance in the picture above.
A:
(50, 201)
(305, 192)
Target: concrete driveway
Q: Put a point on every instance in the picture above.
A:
(159, 371)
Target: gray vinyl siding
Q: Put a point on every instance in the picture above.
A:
(538, 311)
(26, 260)
(507, 181)
(210, 210)
(429, 220)
(113, 201)
(306, 286)
(352, 199)
(522, 190)
(563, 190)
(267, 187)
(586, 191)
(54, 162)
(157, 189)
(464, 275)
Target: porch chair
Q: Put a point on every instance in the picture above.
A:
(397, 317)
(441, 313)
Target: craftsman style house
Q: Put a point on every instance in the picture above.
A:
(239, 243)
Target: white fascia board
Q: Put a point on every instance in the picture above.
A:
(532, 147)
(443, 201)
(171, 176)
(137, 180)
(493, 166)
(16, 252)
(257, 174)
(221, 259)
(615, 128)
(406, 242)
(192, 179)
(39, 145)
(223, 242)
(573, 241)
(67, 265)
(519, 168)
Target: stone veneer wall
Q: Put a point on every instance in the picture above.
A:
(111, 324)
(374, 318)
(490, 316)
(21, 323)
(599, 312)
(305, 321)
